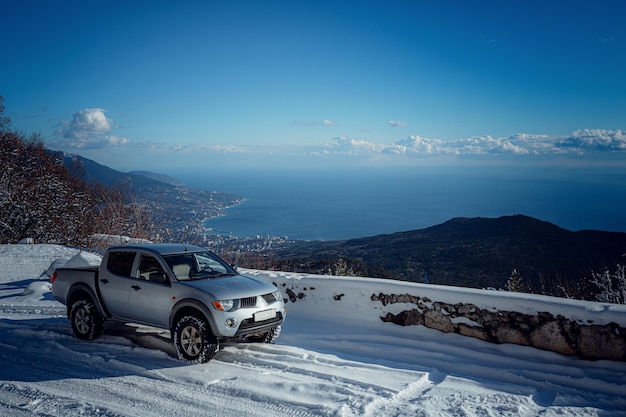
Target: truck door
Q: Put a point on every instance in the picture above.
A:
(150, 294)
(115, 280)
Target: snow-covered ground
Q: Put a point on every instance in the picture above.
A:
(334, 358)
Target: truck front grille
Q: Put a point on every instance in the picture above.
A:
(247, 302)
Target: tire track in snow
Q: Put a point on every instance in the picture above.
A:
(29, 401)
(8, 310)
(112, 377)
(353, 388)
(406, 401)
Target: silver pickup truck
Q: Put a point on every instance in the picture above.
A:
(189, 290)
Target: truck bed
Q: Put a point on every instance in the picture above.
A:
(66, 277)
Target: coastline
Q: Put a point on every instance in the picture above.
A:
(334, 206)
(223, 212)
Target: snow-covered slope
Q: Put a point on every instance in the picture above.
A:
(335, 357)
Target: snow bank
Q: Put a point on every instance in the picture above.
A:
(531, 304)
(18, 262)
(335, 357)
(572, 327)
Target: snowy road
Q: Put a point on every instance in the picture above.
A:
(52, 373)
(332, 359)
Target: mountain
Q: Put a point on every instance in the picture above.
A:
(91, 171)
(481, 252)
(159, 177)
(176, 211)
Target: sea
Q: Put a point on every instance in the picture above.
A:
(345, 203)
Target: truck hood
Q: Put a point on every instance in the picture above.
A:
(231, 287)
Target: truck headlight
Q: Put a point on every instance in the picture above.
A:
(224, 305)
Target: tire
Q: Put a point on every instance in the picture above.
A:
(194, 341)
(268, 337)
(87, 323)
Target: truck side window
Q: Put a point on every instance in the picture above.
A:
(183, 266)
(121, 263)
(148, 265)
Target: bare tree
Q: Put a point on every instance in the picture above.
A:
(5, 121)
(611, 286)
(41, 199)
(341, 268)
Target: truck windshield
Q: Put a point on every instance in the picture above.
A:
(197, 265)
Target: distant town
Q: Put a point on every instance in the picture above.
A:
(178, 214)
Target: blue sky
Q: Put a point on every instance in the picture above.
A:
(135, 83)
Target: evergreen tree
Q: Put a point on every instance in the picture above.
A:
(515, 282)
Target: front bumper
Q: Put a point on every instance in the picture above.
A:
(251, 327)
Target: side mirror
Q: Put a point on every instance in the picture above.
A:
(234, 266)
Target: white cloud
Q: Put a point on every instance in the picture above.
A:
(88, 122)
(88, 129)
(505, 146)
(92, 129)
(351, 146)
(595, 139)
(520, 144)
(482, 145)
(224, 149)
(116, 140)
(417, 145)
(307, 123)
(397, 123)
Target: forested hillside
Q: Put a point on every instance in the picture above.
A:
(54, 197)
(480, 252)
(41, 199)
(176, 212)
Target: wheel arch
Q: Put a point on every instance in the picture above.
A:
(83, 291)
(188, 307)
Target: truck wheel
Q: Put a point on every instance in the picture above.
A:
(87, 323)
(268, 337)
(193, 340)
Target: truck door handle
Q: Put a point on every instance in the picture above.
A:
(136, 287)
(104, 281)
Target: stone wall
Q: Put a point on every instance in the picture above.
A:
(543, 330)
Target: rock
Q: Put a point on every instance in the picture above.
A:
(405, 318)
(543, 330)
(439, 321)
(509, 335)
(602, 342)
(292, 295)
(472, 331)
(548, 336)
